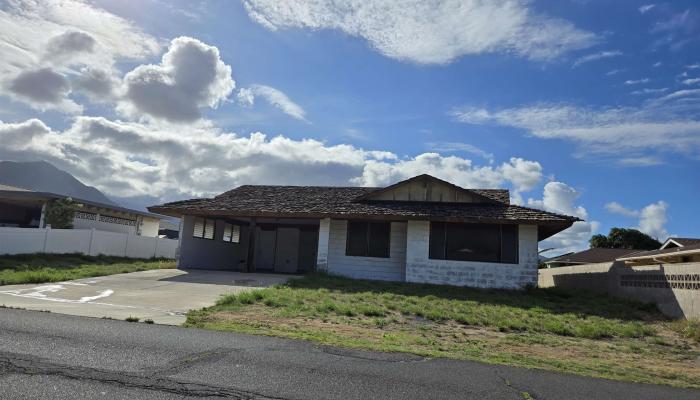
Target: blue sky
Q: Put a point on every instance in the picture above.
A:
(588, 108)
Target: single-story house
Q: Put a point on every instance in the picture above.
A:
(22, 208)
(589, 256)
(419, 230)
(674, 250)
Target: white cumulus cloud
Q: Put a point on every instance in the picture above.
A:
(62, 37)
(652, 218)
(561, 198)
(127, 159)
(191, 75)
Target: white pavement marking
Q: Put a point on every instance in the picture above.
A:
(37, 293)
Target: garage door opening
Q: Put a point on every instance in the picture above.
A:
(285, 248)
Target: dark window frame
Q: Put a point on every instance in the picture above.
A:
(368, 235)
(438, 247)
(204, 228)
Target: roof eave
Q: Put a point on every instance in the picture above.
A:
(552, 226)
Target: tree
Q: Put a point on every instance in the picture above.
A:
(61, 212)
(622, 238)
(599, 241)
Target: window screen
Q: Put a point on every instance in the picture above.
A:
(357, 239)
(474, 242)
(368, 239)
(509, 244)
(232, 233)
(204, 228)
(379, 239)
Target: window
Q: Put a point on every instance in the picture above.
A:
(204, 228)
(368, 239)
(232, 233)
(474, 242)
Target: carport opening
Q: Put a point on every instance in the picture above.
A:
(20, 214)
(285, 247)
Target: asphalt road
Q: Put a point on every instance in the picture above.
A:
(52, 356)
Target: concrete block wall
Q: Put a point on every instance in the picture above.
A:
(421, 269)
(674, 288)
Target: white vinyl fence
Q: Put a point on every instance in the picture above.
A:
(86, 241)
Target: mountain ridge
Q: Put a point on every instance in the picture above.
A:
(42, 176)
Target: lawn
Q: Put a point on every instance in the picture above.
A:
(579, 333)
(39, 268)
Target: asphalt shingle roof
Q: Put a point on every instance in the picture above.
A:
(317, 201)
(686, 241)
(665, 252)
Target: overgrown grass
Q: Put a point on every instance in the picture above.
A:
(40, 268)
(688, 328)
(536, 311)
(574, 332)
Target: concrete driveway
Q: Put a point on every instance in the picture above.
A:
(163, 295)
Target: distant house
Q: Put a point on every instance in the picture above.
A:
(590, 256)
(419, 230)
(22, 208)
(169, 229)
(674, 250)
(671, 243)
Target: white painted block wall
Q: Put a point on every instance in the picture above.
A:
(421, 269)
(389, 269)
(91, 242)
(323, 240)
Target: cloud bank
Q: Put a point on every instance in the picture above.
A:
(431, 32)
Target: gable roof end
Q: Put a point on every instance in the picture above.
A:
(477, 193)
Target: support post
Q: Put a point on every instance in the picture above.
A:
(92, 238)
(250, 260)
(323, 239)
(42, 219)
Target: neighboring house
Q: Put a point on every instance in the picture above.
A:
(24, 208)
(419, 230)
(590, 256)
(169, 229)
(674, 250)
(679, 242)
